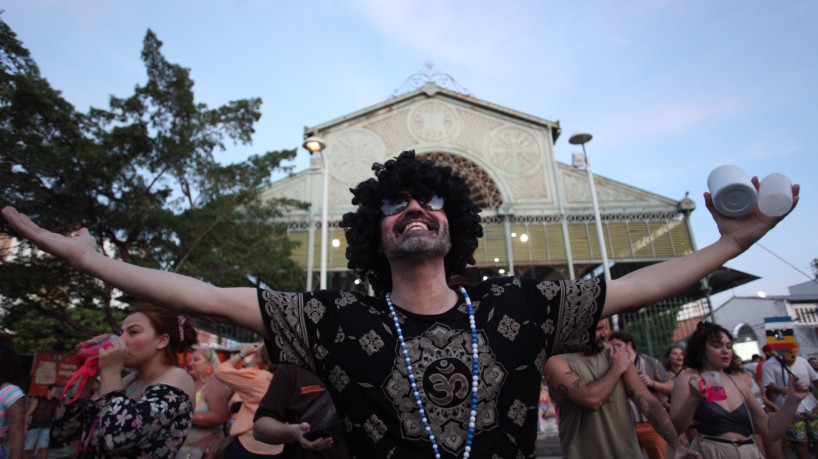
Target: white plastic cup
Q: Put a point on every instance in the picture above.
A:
(775, 195)
(732, 191)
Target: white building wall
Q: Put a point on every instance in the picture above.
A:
(752, 311)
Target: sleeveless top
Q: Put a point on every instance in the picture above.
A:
(608, 431)
(197, 433)
(714, 420)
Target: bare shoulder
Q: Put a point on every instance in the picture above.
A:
(215, 389)
(744, 383)
(684, 378)
(555, 362)
(179, 379)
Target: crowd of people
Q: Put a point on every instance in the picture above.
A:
(420, 367)
(143, 401)
(717, 404)
(269, 419)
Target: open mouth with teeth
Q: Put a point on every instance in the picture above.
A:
(415, 225)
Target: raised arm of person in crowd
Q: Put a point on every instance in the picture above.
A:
(662, 280)
(179, 293)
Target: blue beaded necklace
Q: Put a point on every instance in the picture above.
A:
(475, 375)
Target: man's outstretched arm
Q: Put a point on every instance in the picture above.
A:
(179, 293)
(662, 280)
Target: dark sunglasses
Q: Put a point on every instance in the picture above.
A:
(396, 205)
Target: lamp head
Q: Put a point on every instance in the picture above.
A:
(314, 144)
(580, 138)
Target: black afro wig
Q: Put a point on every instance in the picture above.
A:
(423, 178)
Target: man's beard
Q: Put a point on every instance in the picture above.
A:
(421, 246)
(598, 347)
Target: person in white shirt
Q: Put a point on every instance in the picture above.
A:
(804, 428)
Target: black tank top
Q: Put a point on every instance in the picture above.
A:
(713, 420)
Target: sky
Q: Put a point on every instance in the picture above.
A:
(669, 90)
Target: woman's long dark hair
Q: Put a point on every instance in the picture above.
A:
(423, 178)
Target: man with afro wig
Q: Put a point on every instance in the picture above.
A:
(420, 369)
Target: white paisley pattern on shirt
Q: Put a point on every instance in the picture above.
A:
(349, 340)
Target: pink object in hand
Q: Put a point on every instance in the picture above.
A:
(712, 386)
(87, 359)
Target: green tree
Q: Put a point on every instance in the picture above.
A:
(141, 176)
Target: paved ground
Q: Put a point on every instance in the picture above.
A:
(548, 447)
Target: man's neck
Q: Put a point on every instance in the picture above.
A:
(420, 287)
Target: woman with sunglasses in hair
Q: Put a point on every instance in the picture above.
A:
(721, 406)
(148, 412)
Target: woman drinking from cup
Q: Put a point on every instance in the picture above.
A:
(721, 407)
(147, 413)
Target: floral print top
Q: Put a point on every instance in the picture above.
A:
(349, 340)
(116, 426)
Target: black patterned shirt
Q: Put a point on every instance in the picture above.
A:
(348, 339)
(116, 426)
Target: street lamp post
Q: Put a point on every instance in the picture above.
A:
(581, 138)
(317, 145)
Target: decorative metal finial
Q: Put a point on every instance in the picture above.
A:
(430, 74)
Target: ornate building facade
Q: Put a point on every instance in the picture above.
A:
(537, 212)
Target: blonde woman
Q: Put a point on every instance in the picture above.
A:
(211, 411)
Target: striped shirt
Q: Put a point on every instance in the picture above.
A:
(9, 394)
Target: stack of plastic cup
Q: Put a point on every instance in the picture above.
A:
(775, 195)
(732, 191)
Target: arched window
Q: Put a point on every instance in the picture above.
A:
(484, 191)
(746, 342)
(744, 333)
